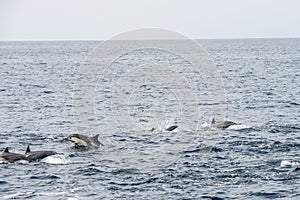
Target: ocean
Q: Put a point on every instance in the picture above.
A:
(47, 93)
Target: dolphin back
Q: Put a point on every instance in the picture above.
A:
(223, 124)
(38, 155)
(8, 157)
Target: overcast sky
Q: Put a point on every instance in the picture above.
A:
(102, 19)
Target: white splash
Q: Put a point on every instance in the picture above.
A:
(206, 125)
(239, 127)
(287, 163)
(56, 159)
(11, 196)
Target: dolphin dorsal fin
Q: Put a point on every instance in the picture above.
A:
(95, 140)
(28, 149)
(6, 150)
(213, 121)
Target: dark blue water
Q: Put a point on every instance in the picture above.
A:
(261, 79)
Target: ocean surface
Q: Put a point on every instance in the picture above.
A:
(47, 94)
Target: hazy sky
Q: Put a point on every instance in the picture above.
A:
(102, 19)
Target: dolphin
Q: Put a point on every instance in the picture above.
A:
(32, 156)
(168, 128)
(85, 141)
(8, 157)
(221, 124)
(171, 128)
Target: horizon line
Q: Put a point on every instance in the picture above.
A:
(91, 40)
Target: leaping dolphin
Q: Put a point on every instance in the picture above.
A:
(168, 128)
(85, 141)
(8, 157)
(221, 124)
(171, 128)
(32, 156)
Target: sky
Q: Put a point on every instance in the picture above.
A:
(103, 19)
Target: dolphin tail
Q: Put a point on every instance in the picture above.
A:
(28, 149)
(96, 141)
